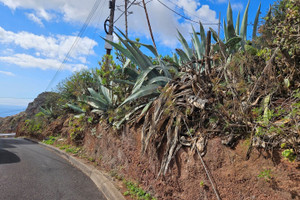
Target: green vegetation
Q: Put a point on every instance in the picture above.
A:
(50, 140)
(265, 174)
(289, 154)
(136, 192)
(251, 90)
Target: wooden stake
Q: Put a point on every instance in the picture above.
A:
(149, 26)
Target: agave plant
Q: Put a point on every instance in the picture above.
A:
(48, 112)
(235, 37)
(149, 75)
(193, 55)
(101, 100)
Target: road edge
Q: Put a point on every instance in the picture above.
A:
(103, 184)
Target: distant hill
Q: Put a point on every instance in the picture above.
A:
(6, 110)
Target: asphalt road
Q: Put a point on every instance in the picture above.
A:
(29, 171)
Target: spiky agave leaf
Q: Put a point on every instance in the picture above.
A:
(142, 92)
(231, 44)
(188, 51)
(230, 27)
(143, 75)
(106, 93)
(203, 38)
(136, 56)
(197, 45)
(175, 59)
(46, 111)
(225, 30)
(256, 22)
(244, 23)
(220, 43)
(182, 56)
(75, 108)
(237, 25)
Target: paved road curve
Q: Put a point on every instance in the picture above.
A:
(29, 171)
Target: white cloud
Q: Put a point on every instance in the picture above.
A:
(15, 102)
(50, 46)
(35, 19)
(50, 50)
(7, 73)
(29, 61)
(237, 6)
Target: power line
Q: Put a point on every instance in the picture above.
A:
(124, 11)
(78, 37)
(95, 30)
(186, 18)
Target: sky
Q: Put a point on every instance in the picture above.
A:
(36, 36)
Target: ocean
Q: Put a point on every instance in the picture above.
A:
(6, 110)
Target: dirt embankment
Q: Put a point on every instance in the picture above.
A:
(260, 177)
(233, 175)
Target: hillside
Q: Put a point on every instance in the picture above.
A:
(217, 120)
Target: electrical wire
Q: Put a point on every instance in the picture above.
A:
(78, 37)
(186, 18)
(124, 11)
(95, 30)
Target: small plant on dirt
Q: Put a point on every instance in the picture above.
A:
(202, 183)
(136, 192)
(265, 174)
(73, 150)
(50, 140)
(114, 174)
(63, 147)
(289, 154)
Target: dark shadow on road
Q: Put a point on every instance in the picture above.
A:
(9, 143)
(7, 157)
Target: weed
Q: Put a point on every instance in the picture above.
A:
(63, 147)
(136, 192)
(50, 140)
(289, 154)
(73, 150)
(265, 174)
(201, 183)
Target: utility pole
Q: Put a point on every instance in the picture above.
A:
(126, 15)
(149, 25)
(109, 35)
(219, 24)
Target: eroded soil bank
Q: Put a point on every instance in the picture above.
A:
(260, 177)
(119, 153)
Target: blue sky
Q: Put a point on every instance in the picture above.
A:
(36, 35)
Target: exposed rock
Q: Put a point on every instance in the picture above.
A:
(41, 101)
(10, 123)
